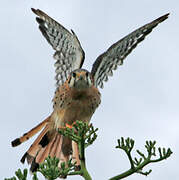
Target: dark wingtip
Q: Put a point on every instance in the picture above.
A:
(16, 142)
(34, 10)
(163, 18)
(166, 15)
(37, 11)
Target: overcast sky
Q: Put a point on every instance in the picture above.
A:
(140, 101)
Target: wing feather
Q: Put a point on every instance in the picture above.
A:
(69, 54)
(114, 56)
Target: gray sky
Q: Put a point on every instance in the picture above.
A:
(139, 101)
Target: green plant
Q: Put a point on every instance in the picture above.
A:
(84, 135)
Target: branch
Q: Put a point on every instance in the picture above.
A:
(137, 164)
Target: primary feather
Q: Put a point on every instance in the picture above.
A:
(108, 61)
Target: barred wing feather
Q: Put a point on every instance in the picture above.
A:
(69, 54)
(108, 61)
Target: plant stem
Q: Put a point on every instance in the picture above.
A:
(84, 171)
(130, 159)
(131, 171)
(123, 175)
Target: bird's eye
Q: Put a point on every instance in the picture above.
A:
(74, 75)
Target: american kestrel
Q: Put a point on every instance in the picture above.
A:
(77, 95)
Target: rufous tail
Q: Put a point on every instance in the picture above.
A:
(29, 134)
(48, 143)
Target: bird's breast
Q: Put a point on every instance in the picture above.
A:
(78, 105)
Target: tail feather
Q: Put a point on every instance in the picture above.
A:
(46, 152)
(34, 148)
(48, 143)
(75, 155)
(53, 149)
(54, 146)
(59, 146)
(41, 154)
(29, 134)
(64, 158)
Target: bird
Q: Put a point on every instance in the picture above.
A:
(77, 93)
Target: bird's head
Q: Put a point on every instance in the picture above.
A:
(80, 79)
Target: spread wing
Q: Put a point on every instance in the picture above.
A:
(69, 54)
(108, 61)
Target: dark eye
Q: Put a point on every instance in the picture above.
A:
(74, 74)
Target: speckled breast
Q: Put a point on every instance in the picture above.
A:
(71, 104)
